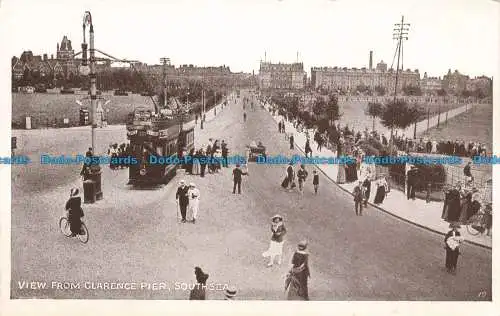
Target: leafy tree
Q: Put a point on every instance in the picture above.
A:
(441, 92)
(381, 91)
(319, 106)
(414, 116)
(362, 88)
(412, 90)
(396, 115)
(478, 93)
(332, 108)
(466, 93)
(374, 110)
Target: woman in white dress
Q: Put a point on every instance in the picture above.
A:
(276, 245)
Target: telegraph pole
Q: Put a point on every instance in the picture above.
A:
(400, 33)
(165, 61)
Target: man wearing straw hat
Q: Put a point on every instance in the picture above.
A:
(182, 199)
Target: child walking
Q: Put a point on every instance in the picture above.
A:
(315, 181)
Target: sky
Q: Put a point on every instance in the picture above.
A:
(444, 34)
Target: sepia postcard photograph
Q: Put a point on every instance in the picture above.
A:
(323, 150)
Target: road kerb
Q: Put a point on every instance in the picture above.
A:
(386, 211)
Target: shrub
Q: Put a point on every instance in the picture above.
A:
(368, 148)
(397, 173)
(433, 174)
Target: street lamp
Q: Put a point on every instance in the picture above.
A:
(85, 70)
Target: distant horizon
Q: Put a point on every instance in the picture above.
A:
(307, 70)
(239, 34)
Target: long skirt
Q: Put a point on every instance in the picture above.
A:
(453, 210)
(451, 258)
(444, 214)
(297, 288)
(275, 249)
(380, 195)
(341, 174)
(464, 206)
(112, 164)
(196, 168)
(75, 224)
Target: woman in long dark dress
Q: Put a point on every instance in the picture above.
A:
(198, 292)
(444, 214)
(452, 241)
(381, 191)
(189, 165)
(454, 205)
(75, 212)
(296, 281)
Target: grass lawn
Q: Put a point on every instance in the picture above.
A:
(354, 114)
(45, 107)
(475, 125)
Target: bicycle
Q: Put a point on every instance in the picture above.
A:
(476, 224)
(64, 225)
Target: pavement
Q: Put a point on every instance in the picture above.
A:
(418, 212)
(135, 235)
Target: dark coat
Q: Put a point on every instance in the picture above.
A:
(74, 206)
(237, 173)
(198, 293)
(316, 179)
(182, 195)
(358, 194)
(279, 233)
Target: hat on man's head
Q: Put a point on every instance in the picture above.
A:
(74, 192)
(230, 292)
(182, 182)
(277, 216)
(192, 184)
(302, 245)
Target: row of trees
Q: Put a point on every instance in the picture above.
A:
(117, 79)
(395, 114)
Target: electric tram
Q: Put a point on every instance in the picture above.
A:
(154, 135)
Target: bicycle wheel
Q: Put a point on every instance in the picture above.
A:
(65, 227)
(84, 234)
(474, 227)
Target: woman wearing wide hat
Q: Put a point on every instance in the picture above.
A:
(452, 242)
(276, 245)
(198, 292)
(296, 280)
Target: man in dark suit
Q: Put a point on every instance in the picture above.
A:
(182, 199)
(358, 198)
(237, 173)
(411, 181)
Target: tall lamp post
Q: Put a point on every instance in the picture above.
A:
(88, 69)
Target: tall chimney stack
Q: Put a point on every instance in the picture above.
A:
(371, 61)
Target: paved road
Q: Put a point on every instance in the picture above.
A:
(135, 237)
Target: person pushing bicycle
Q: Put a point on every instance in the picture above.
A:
(75, 212)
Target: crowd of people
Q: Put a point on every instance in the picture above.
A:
(462, 201)
(217, 151)
(458, 148)
(115, 151)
